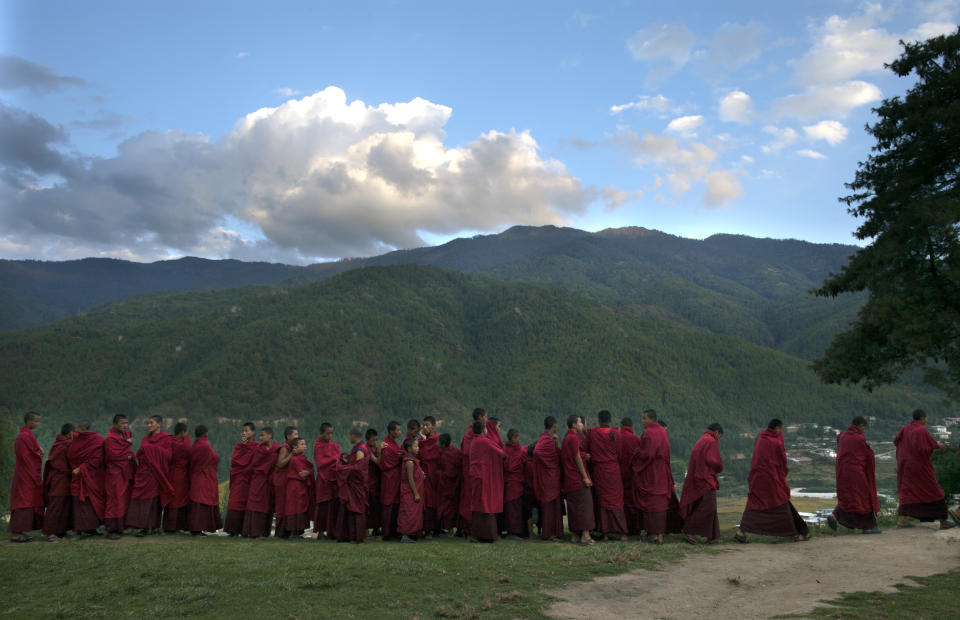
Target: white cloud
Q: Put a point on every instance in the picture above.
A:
(658, 104)
(668, 47)
(242, 54)
(734, 45)
(746, 159)
(782, 138)
(613, 198)
(721, 188)
(832, 132)
(286, 92)
(811, 154)
(736, 106)
(682, 165)
(685, 125)
(832, 100)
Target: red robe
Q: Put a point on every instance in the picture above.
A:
(86, 454)
(120, 469)
(259, 498)
(410, 515)
(180, 471)
(153, 468)
(652, 477)
(513, 471)
(856, 477)
(627, 444)
(390, 459)
(705, 464)
(572, 446)
(602, 444)
(546, 473)
(352, 479)
(373, 478)
(768, 473)
(429, 453)
(916, 480)
(204, 488)
(56, 471)
(448, 486)
(280, 483)
(326, 455)
(240, 471)
(26, 491)
(467, 484)
(486, 468)
(299, 491)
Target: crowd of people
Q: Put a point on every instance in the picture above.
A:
(607, 480)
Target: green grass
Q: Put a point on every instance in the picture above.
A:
(176, 576)
(935, 597)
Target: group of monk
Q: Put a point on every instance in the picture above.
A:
(607, 480)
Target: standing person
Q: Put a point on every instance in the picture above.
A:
(152, 489)
(429, 454)
(468, 483)
(372, 441)
(698, 502)
(410, 514)
(326, 454)
(577, 482)
(857, 501)
(56, 486)
(769, 510)
(240, 470)
(175, 514)
(352, 471)
(531, 509)
(26, 490)
(204, 512)
(627, 444)
(486, 463)
(87, 479)
(300, 503)
(391, 457)
(513, 520)
(448, 485)
(652, 476)
(118, 481)
(602, 445)
(546, 481)
(921, 496)
(256, 521)
(290, 436)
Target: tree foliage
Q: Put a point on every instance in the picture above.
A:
(907, 193)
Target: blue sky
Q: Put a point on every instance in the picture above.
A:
(300, 131)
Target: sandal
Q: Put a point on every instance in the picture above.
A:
(21, 538)
(740, 538)
(690, 540)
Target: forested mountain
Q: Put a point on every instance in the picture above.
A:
(376, 344)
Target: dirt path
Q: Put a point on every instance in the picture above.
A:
(763, 580)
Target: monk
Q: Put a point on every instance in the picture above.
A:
(466, 487)
(300, 503)
(921, 496)
(391, 457)
(152, 488)
(26, 491)
(429, 454)
(372, 441)
(601, 444)
(448, 485)
(857, 501)
(256, 520)
(326, 454)
(240, 469)
(56, 486)
(698, 502)
(627, 444)
(577, 482)
(410, 513)
(120, 468)
(547, 481)
(531, 509)
(769, 510)
(653, 485)
(486, 463)
(352, 472)
(87, 479)
(203, 513)
(290, 436)
(175, 514)
(513, 520)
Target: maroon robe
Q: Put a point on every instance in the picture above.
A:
(240, 470)
(326, 455)
(546, 485)
(580, 514)
(175, 515)
(513, 520)
(627, 444)
(602, 444)
(653, 478)
(152, 488)
(56, 488)
(920, 494)
(204, 510)
(120, 470)
(352, 494)
(300, 501)
(26, 490)
(391, 458)
(768, 509)
(448, 486)
(429, 453)
(87, 486)
(698, 501)
(467, 484)
(410, 514)
(373, 487)
(857, 501)
(486, 468)
(256, 520)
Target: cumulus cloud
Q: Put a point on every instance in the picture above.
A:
(286, 91)
(26, 143)
(683, 165)
(667, 47)
(831, 100)
(18, 73)
(736, 106)
(658, 104)
(781, 138)
(318, 177)
(686, 125)
(811, 154)
(721, 188)
(613, 197)
(832, 132)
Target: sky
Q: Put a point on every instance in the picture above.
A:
(298, 132)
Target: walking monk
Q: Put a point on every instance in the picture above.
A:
(698, 502)
(326, 454)
(240, 470)
(86, 478)
(118, 482)
(448, 486)
(152, 489)
(391, 456)
(256, 520)
(513, 520)
(410, 514)
(577, 483)
(26, 491)
(203, 514)
(56, 486)
(176, 512)
(921, 496)
(546, 481)
(486, 464)
(857, 502)
(627, 444)
(652, 476)
(601, 444)
(352, 472)
(769, 510)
